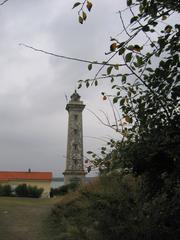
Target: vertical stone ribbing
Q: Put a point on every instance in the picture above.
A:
(74, 160)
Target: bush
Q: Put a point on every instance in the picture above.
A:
(115, 207)
(5, 190)
(28, 191)
(61, 191)
(34, 192)
(21, 190)
(73, 186)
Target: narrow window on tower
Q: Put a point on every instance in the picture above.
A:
(75, 131)
(75, 146)
(75, 117)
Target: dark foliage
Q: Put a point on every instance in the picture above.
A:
(28, 191)
(116, 208)
(143, 201)
(5, 190)
(60, 191)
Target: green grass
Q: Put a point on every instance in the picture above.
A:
(24, 218)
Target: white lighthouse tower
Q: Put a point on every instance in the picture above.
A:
(74, 160)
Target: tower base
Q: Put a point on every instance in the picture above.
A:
(74, 176)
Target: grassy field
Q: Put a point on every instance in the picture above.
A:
(24, 218)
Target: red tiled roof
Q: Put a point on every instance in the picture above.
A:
(4, 176)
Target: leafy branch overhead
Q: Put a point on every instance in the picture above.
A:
(82, 13)
(145, 86)
(137, 58)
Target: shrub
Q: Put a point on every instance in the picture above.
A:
(1, 190)
(60, 191)
(34, 192)
(28, 191)
(5, 190)
(21, 190)
(73, 185)
(115, 207)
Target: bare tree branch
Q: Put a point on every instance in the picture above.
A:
(108, 124)
(100, 139)
(3, 2)
(81, 9)
(122, 21)
(66, 57)
(114, 114)
(115, 53)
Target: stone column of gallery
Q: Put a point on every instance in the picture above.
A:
(74, 160)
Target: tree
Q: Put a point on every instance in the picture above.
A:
(144, 71)
(146, 78)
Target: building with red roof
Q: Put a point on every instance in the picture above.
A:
(38, 179)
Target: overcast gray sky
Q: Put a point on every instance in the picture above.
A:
(33, 119)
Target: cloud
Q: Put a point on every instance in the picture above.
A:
(33, 119)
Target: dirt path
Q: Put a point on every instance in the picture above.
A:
(24, 219)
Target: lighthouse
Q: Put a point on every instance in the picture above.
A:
(74, 171)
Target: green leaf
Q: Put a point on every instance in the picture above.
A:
(89, 5)
(129, 2)
(121, 51)
(84, 16)
(149, 69)
(80, 20)
(87, 84)
(112, 79)
(124, 79)
(109, 69)
(90, 66)
(79, 86)
(116, 66)
(89, 152)
(122, 101)
(128, 57)
(154, 23)
(115, 99)
(140, 61)
(76, 4)
(133, 19)
(146, 28)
